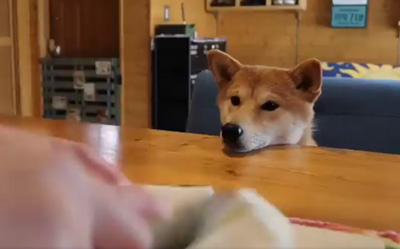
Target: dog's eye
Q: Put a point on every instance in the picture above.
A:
(270, 106)
(235, 100)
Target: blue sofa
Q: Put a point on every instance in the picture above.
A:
(351, 113)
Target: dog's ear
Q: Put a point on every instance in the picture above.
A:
(223, 66)
(307, 78)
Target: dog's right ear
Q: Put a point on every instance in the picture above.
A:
(223, 66)
(307, 78)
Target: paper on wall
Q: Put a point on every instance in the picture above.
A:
(79, 79)
(89, 92)
(59, 103)
(103, 67)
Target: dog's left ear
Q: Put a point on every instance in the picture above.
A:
(223, 66)
(307, 78)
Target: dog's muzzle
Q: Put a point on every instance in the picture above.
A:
(231, 134)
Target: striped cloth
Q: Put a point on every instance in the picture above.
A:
(391, 238)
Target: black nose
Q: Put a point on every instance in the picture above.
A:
(231, 133)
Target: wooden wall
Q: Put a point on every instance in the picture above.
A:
(28, 55)
(136, 62)
(19, 57)
(270, 38)
(36, 94)
(7, 76)
(195, 14)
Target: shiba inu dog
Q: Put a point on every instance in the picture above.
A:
(262, 106)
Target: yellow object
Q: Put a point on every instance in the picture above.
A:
(372, 71)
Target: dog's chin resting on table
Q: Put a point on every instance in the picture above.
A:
(262, 106)
(241, 219)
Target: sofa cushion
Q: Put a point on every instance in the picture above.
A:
(359, 114)
(349, 96)
(204, 113)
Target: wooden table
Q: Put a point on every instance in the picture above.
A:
(355, 188)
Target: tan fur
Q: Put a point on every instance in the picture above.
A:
(295, 90)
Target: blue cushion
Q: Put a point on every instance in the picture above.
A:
(359, 114)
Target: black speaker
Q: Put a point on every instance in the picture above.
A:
(176, 62)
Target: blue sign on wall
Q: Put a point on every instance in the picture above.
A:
(349, 16)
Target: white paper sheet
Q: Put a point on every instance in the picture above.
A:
(349, 2)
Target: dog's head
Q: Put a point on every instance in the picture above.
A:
(263, 106)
